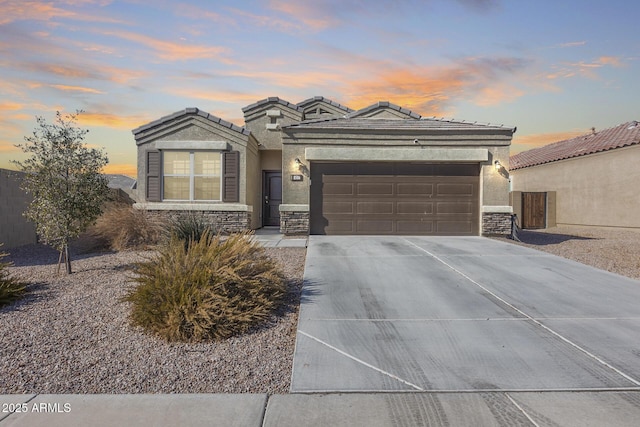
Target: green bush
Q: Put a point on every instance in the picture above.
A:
(122, 227)
(189, 226)
(10, 288)
(216, 288)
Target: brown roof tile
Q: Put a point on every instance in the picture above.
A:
(620, 136)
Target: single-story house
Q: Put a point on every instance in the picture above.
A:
(320, 167)
(590, 180)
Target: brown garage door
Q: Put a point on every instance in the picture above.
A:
(394, 198)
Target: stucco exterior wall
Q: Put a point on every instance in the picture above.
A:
(600, 189)
(494, 183)
(186, 135)
(256, 122)
(253, 183)
(193, 132)
(270, 160)
(15, 230)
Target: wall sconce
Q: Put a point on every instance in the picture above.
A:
(301, 167)
(497, 165)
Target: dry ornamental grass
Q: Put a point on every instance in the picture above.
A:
(72, 334)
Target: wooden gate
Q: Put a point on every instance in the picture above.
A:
(534, 208)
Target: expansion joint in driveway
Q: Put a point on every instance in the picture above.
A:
(362, 362)
(530, 318)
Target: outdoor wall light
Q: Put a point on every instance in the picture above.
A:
(298, 162)
(497, 164)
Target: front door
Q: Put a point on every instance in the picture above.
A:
(271, 197)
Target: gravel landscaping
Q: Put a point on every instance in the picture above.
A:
(71, 334)
(614, 250)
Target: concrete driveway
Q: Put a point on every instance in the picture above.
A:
(458, 314)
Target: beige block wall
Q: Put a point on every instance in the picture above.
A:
(15, 230)
(600, 189)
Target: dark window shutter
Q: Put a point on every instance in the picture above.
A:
(153, 176)
(230, 176)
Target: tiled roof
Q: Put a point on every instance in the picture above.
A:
(270, 100)
(120, 181)
(387, 105)
(187, 112)
(399, 124)
(306, 102)
(620, 136)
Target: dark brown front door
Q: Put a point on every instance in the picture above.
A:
(271, 197)
(394, 198)
(534, 208)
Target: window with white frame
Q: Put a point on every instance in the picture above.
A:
(191, 175)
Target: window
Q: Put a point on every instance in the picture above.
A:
(191, 175)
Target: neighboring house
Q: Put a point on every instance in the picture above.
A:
(15, 230)
(590, 180)
(322, 168)
(123, 187)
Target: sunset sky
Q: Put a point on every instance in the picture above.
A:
(553, 68)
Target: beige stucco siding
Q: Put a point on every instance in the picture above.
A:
(600, 189)
(451, 148)
(197, 133)
(252, 178)
(270, 160)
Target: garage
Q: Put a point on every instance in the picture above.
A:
(394, 198)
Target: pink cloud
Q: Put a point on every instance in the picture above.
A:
(23, 10)
(173, 51)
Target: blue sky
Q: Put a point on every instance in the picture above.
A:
(553, 69)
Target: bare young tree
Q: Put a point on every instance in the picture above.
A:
(64, 178)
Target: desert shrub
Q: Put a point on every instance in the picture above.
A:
(10, 288)
(122, 227)
(189, 226)
(216, 288)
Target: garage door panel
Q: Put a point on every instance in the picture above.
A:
(454, 208)
(338, 226)
(455, 190)
(375, 208)
(414, 189)
(408, 208)
(374, 189)
(339, 189)
(339, 208)
(394, 198)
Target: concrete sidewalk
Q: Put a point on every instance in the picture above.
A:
(270, 237)
(613, 408)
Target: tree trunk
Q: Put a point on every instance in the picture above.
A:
(67, 259)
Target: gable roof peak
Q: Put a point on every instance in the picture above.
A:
(189, 111)
(381, 105)
(308, 101)
(271, 100)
